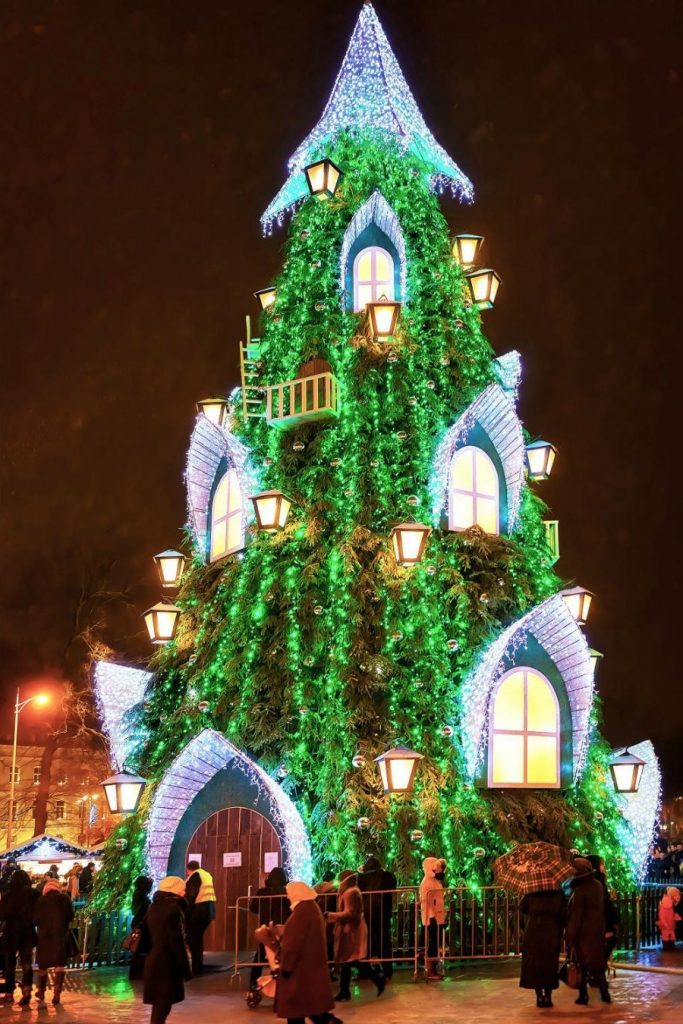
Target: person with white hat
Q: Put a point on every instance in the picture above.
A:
(167, 964)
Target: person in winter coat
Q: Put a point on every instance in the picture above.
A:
(668, 917)
(433, 911)
(612, 915)
(87, 879)
(545, 914)
(73, 884)
(327, 901)
(303, 986)
(374, 882)
(53, 913)
(201, 910)
(140, 904)
(10, 867)
(585, 931)
(19, 937)
(167, 965)
(272, 907)
(351, 937)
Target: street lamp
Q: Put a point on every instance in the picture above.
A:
(578, 600)
(409, 541)
(483, 287)
(383, 317)
(123, 792)
(627, 770)
(162, 621)
(397, 768)
(170, 564)
(215, 409)
(40, 699)
(265, 296)
(322, 178)
(272, 509)
(540, 456)
(466, 249)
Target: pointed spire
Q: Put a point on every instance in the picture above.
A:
(370, 92)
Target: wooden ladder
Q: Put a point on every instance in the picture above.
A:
(251, 350)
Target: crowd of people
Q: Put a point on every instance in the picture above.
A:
(666, 862)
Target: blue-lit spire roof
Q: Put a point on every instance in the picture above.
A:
(370, 92)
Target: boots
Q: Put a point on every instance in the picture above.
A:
(604, 991)
(431, 964)
(25, 995)
(583, 993)
(42, 985)
(59, 984)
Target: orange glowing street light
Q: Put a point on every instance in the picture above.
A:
(40, 699)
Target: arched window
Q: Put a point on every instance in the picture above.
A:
(474, 497)
(373, 276)
(226, 534)
(524, 741)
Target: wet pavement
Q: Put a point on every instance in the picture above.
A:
(473, 994)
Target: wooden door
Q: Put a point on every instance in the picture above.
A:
(247, 833)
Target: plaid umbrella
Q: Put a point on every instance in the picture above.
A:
(533, 867)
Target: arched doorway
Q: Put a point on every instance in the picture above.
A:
(238, 846)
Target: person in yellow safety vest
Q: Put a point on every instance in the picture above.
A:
(201, 910)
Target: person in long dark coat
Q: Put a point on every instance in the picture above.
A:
(167, 965)
(19, 937)
(585, 931)
(140, 904)
(351, 937)
(612, 915)
(53, 914)
(373, 882)
(303, 986)
(545, 914)
(272, 907)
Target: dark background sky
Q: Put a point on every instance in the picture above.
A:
(141, 141)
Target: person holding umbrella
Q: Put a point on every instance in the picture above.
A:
(535, 872)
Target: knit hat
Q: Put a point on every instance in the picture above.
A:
(583, 867)
(674, 893)
(299, 891)
(172, 884)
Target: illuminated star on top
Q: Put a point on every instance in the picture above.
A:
(370, 92)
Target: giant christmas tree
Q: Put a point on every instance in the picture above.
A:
(307, 651)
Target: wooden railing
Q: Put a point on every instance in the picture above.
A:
(305, 399)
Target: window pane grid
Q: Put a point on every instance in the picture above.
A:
(373, 277)
(510, 762)
(474, 491)
(226, 518)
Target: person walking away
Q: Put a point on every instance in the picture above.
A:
(545, 914)
(272, 906)
(668, 917)
(612, 915)
(140, 904)
(585, 931)
(72, 879)
(87, 879)
(19, 937)
(433, 911)
(351, 937)
(167, 965)
(303, 986)
(53, 914)
(376, 884)
(327, 901)
(5, 878)
(201, 910)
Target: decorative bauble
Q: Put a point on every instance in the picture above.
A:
(308, 660)
(416, 835)
(269, 595)
(401, 435)
(316, 264)
(121, 844)
(413, 500)
(418, 684)
(479, 852)
(203, 705)
(363, 822)
(392, 357)
(335, 462)
(459, 323)
(267, 461)
(412, 400)
(445, 361)
(303, 711)
(431, 569)
(282, 772)
(484, 598)
(599, 816)
(452, 645)
(358, 761)
(348, 491)
(431, 385)
(192, 659)
(319, 307)
(447, 731)
(501, 583)
(298, 446)
(374, 463)
(260, 391)
(397, 635)
(304, 234)
(318, 609)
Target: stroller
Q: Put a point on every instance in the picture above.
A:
(269, 937)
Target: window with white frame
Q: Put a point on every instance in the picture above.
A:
(524, 739)
(373, 277)
(60, 810)
(17, 775)
(226, 533)
(36, 775)
(474, 491)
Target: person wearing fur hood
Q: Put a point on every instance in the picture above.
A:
(668, 918)
(433, 910)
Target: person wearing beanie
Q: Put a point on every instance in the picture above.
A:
(53, 914)
(668, 917)
(433, 911)
(303, 987)
(585, 931)
(167, 965)
(16, 911)
(351, 937)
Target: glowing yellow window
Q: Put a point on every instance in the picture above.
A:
(474, 497)
(226, 533)
(373, 277)
(524, 741)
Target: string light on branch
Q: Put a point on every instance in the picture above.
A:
(540, 457)
(409, 541)
(170, 565)
(626, 770)
(578, 600)
(162, 621)
(383, 317)
(265, 296)
(322, 178)
(466, 249)
(483, 287)
(397, 768)
(215, 409)
(123, 792)
(272, 509)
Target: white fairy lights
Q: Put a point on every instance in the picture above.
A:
(118, 689)
(641, 810)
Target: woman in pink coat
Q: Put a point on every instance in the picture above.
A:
(668, 917)
(433, 909)
(351, 937)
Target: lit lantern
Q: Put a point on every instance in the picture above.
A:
(540, 457)
(170, 565)
(322, 178)
(466, 249)
(409, 541)
(266, 297)
(578, 600)
(123, 792)
(627, 770)
(483, 285)
(383, 316)
(215, 409)
(552, 537)
(162, 621)
(272, 509)
(397, 768)
(595, 657)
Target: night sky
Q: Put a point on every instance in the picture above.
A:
(141, 142)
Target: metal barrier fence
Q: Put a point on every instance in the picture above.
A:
(97, 940)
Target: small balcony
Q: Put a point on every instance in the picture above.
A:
(304, 400)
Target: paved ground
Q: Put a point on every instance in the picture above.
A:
(475, 994)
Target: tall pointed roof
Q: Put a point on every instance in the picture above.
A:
(370, 92)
